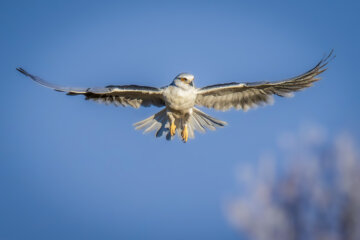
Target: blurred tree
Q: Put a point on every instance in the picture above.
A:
(312, 192)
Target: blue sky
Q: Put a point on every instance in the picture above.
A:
(75, 169)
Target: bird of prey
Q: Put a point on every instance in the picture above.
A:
(179, 99)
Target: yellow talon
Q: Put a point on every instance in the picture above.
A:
(172, 129)
(185, 134)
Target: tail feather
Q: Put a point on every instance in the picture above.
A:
(191, 131)
(153, 122)
(198, 121)
(207, 121)
(164, 126)
(197, 124)
(204, 123)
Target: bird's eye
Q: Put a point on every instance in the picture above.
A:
(183, 79)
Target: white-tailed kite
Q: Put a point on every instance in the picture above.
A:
(180, 98)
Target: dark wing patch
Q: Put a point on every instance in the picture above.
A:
(127, 95)
(219, 85)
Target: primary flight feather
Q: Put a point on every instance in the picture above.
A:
(180, 98)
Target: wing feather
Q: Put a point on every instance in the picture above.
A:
(248, 95)
(127, 95)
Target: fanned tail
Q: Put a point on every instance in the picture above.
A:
(198, 121)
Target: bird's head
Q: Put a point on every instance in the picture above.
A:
(185, 78)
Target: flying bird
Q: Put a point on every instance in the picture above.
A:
(179, 99)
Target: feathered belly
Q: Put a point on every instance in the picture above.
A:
(179, 99)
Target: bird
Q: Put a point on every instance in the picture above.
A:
(180, 99)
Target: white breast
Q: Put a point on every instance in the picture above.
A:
(181, 98)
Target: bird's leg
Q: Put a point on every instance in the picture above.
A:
(185, 133)
(172, 123)
(172, 128)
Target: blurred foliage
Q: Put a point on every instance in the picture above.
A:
(311, 192)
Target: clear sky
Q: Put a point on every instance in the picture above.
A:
(73, 169)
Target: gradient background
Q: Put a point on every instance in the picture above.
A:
(72, 169)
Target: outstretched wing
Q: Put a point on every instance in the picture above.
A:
(248, 95)
(128, 95)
